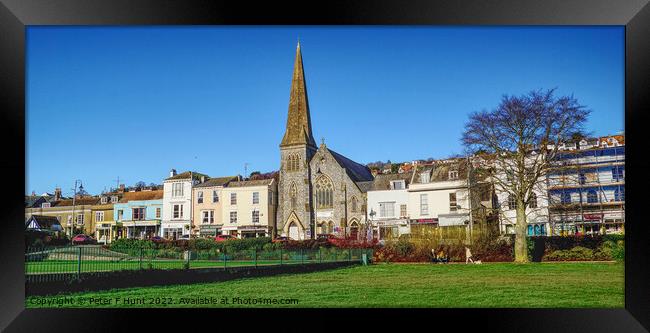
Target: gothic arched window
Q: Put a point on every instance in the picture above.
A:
(293, 162)
(293, 194)
(324, 192)
(353, 204)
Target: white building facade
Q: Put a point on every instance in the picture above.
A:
(177, 203)
(388, 201)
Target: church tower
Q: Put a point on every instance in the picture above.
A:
(294, 216)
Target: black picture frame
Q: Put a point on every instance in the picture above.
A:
(15, 15)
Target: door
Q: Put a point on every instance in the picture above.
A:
(293, 231)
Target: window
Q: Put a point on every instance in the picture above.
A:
(592, 196)
(233, 198)
(293, 162)
(120, 215)
(452, 202)
(619, 194)
(99, 216)
(45, 205)
(270, 198)
(424, 204)
(397, 185)
(177, 211)
(293, 193)
(582, 179)
(215, 196)
(256, 216)
(199, 197)
(69, 219)
(533, 201)
(114, 199)
(138, 214)
(386, 209)
(324, 192)
(256, 198)
(353, 204)
(233, 217)
(512, 202)
(208, 216)
(104, 200)
(453, 174)
(425, 177)
(80, 219)
(158, 212)
(565, 197)
(402, 210)
(177, 189)
(617, 173)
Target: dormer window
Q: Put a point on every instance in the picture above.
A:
(114, 199)
(397, 185)
(45, 205)
(453, 174)
(425, 177)
(104, 200)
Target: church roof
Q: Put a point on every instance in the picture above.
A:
(298, 131)
(357, 172)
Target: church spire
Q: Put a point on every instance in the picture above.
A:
(298, 131)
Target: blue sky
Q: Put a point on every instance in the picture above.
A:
(134, 102)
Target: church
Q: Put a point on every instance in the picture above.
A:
(319, 190)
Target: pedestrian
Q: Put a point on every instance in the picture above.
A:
(468, 255)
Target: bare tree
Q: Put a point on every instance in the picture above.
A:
(518, 140)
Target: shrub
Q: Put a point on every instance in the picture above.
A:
(577, 253)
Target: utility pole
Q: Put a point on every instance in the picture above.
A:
(74, 197)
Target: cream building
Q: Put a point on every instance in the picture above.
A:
(207, 206)
(248, 208)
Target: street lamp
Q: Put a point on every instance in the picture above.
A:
(372, 216)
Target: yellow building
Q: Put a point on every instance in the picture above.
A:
(74, 215)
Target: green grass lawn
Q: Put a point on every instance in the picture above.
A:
(594, 285)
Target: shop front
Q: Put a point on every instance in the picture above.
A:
(210, 230)
(141, 229)
(253, 231)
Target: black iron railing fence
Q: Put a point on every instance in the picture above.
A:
(43, 264)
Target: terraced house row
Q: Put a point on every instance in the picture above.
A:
(320, 191)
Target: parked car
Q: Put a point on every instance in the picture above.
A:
(280, 239)
(83, 239)
(221, 238)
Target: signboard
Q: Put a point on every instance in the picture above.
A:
(324, 214)
(592, 217)
(425, 221)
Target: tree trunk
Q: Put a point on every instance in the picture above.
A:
(521, 248)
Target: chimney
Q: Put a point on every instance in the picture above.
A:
(57, 194)
(172, 173)
(121, 189)
(33, 193)
(202, 179)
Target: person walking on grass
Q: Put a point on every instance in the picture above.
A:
(468, 255)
